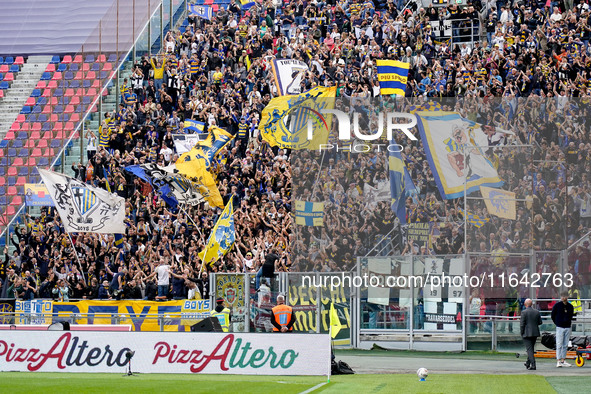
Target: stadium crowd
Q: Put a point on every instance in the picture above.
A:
(525, 72)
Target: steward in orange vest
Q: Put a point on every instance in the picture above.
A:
(282, 316)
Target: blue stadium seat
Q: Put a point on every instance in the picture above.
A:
(103, 75)
(86, 100)
(42, 101)
(46, 76)
(74, 84)
(34, 169)
(86, 83)
(1, 60)
(112, 58)
(3, 200)
(34, 179)
(4, 162)
(22, 135)
(89, 59)
(3, 144)
(74, 67)
(58, 93)
(11, 180)
(17, 144)
(46, 126)
(15, 68)
(62, 67)
(2, 76)
(26, 110)
(11, 152)
(95, 67)
(55, 144)
(23, 171)
(9, 60)
(43, 162)
(24, 152)
(58, 109)
(55, 60)
(36, 93)
(31, 118)
(4, 85)
(2, 190)
(37, 109)
(42, 118)
(68, 75)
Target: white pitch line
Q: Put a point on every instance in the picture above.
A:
(314, 388)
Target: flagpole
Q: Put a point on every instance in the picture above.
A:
(77, 258)
(191, 219)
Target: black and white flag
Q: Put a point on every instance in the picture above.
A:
(84, 208)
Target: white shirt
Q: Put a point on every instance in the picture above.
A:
(163, 277)
(167, 153)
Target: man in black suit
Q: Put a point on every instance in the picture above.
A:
(530, 331)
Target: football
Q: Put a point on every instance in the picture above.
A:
(422, 373)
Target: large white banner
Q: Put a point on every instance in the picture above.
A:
(457, 152)
(288, 75)
(185, 142)
(84, 208)
(159, 352)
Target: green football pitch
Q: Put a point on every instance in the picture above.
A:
(15, 382)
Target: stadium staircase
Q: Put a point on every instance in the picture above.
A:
(61, 92)
(19, 79)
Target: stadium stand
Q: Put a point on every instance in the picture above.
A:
(515, 52)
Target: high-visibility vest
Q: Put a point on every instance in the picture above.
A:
(224, 318)
(577, 305)
(282, 315)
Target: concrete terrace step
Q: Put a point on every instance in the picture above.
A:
(22, 87)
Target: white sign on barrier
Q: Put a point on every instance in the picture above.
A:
(157, 352)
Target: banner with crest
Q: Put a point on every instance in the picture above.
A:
(286, 119)
(172, 187)
(84, 208)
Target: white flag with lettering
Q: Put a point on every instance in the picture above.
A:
(84, 208)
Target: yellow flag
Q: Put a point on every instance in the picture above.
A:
(216, 139)
(195, 168)
(499, 202)
(286, 119)
(222, 236)
(335, 322)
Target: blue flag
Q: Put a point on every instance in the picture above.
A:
(162, 188)
(193, 126)
(309, 213)
(203, 11)
(400, 184)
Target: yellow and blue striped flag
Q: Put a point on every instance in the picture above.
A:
(193, 126)
(119, 240)
(222, 237)
(392, 76)
(309, 213)
(429, 106)
(246, 4)
(473, 219)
